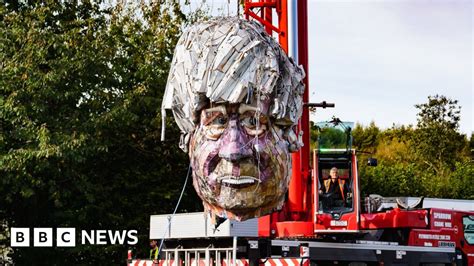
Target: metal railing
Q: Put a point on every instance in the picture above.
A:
(200, 256)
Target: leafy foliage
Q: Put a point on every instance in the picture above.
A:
(437, 141)
(80, 89)
(365, 138)
(332, 138)
(433, 159)
(391, 180)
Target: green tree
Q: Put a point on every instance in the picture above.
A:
(332, 138)
(395, 145)
(80, 90)
(327, 137)
(437, 141)
(402, 152)
(366, 138)
(391, 179)
(471, 146)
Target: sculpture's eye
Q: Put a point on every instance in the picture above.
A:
(250, 122)
(254, 126)
(219, 121)
(214, 125)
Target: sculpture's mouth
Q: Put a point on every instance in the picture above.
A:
(237, 181)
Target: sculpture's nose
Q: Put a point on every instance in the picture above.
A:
(235, 146)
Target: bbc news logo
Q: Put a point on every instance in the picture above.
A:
(66, 237)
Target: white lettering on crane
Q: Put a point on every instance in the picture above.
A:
(442, 216)
(434, 237)
(438, 224)
(442, 224)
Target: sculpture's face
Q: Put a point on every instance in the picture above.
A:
(240, 161)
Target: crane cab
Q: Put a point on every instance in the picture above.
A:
(337, 200)
(336, 183)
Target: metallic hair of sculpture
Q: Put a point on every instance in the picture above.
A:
(231, 60)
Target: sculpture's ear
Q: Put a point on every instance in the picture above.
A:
(201, 102)
(184, 141)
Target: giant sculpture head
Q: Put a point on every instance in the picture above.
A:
(236, 97)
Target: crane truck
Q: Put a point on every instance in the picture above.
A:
(311, 229)
(354, 231)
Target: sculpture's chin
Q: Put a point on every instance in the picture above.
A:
(241, 214)
(242, 202)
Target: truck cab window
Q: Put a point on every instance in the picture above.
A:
(468, 223)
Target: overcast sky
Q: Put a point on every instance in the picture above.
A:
(377, 59)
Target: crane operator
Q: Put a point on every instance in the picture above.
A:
(336, 189)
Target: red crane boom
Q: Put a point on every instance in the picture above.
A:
(295, 218)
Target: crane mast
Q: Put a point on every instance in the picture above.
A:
(291, 27)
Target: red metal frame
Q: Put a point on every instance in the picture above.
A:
(261, 11)
(395, 218)
(299, 191)
(296, 218)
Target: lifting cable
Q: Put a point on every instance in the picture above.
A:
(175, 209)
